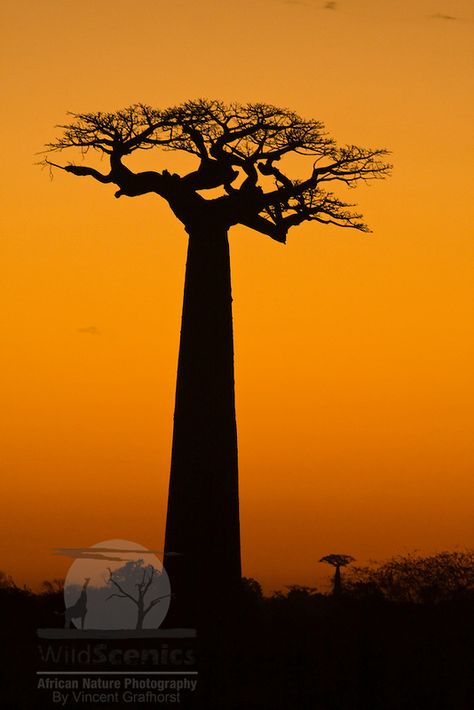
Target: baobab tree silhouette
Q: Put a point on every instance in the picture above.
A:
(240, 150)
(337, 561)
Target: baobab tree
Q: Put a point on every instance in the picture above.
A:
(240, 178)
(337, 561)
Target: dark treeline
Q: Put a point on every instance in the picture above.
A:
(398, 636)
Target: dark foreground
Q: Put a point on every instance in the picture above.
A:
(294, 650)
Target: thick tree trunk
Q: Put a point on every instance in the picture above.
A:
(203, 506)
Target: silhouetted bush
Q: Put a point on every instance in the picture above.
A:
(381, 645)
(446, 576)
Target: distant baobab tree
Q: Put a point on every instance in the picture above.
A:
(240, 178)
(337, 561)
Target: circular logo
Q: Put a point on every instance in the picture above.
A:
(114, 585)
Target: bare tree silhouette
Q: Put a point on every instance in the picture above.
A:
(240, 150)
(142, 587)
(337, 561)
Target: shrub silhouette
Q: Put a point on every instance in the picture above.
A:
(442, 577)
(301, 649)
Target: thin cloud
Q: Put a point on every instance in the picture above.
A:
(89, 330)
(97, 553)
(440, 16)
(107, 558)
(94, 552)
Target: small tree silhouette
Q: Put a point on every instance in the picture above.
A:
(128, 571)
(337, 561)
(242, 177)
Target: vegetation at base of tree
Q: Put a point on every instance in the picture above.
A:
(399, 637)
(446, 576)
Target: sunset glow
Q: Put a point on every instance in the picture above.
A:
(354, 352)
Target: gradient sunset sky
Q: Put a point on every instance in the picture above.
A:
(354, 353)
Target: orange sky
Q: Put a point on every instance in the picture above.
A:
(353, 353)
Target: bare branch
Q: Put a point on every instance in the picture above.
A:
(154, 602)
(231, 141)
(150, 580)
(83, 170)
(265, 226)
(117, 585)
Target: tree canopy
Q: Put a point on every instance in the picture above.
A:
(241, 150)
(337, 560)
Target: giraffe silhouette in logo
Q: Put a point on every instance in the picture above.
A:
(79, 609)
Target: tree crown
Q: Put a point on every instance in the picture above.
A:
(337, 560)
(241, 150)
